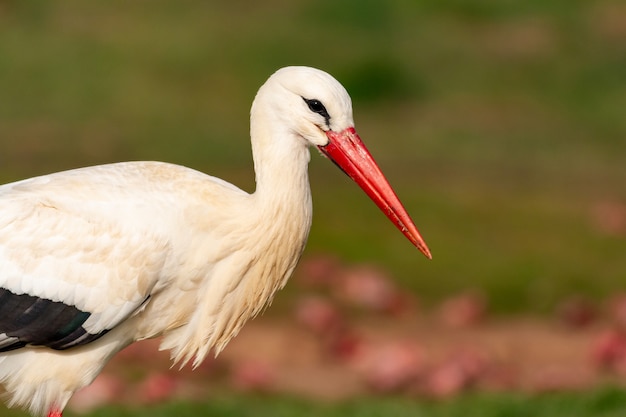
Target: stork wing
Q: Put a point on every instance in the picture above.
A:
(68, 273)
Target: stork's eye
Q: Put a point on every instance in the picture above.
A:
(316, 106)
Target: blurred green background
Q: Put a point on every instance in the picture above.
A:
(501, 124)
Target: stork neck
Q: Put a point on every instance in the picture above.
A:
(283, 199)
(281, 161)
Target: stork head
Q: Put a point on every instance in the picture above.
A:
(312, 103)
(318, 109)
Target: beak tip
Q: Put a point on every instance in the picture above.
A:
(419, 242)
(425, 251)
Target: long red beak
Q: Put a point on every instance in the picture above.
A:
(346, 149)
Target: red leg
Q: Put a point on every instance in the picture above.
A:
(55, 413)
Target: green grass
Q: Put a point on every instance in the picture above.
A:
(500, 123)
(600, 403)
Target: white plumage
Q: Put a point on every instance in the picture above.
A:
(96, 258)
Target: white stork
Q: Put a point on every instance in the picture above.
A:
(94, 259)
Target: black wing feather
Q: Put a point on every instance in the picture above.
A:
(30, 320)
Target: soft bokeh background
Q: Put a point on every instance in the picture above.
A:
(501, 124)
